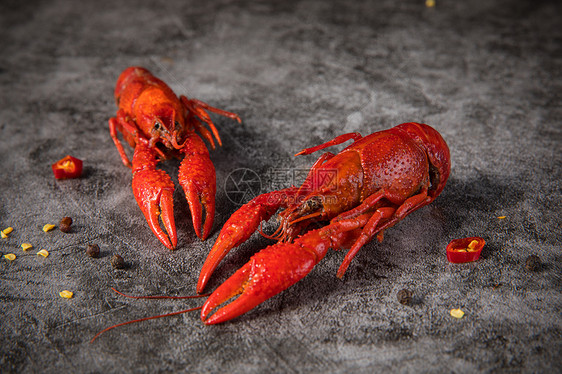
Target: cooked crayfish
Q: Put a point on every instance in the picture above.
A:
(159, 126)
(376, 182)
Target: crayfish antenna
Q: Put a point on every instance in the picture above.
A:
(143, 319)
(158, 296)
(151, 317)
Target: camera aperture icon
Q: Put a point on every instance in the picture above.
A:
(242, 185)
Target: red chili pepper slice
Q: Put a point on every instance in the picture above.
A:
(68, 167)
(465, 249)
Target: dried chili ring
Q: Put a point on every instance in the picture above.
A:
(67, 167)
(465, 249)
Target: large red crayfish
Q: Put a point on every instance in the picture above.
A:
(377, 181)
(159, 125)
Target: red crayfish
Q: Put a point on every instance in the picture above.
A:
(159, 126)
(377, 181)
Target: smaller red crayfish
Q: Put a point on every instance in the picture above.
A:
(159, 126)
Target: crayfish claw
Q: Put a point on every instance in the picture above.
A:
(153, 190)
(198, 181)
(240, 226)
(232, 288)
(199, 201)
(232, 234)
(167, 216)
(268, 272)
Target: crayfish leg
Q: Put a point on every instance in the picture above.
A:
(381, 219)
(205, 133)
(337, 140)
(368, 232)
(127, 128)
(198, 108)
(365, 206)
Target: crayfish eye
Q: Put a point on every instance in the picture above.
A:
(177, 125)
(157, 125)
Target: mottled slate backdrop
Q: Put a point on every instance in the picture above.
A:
(486, 74)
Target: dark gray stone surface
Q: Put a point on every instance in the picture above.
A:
(486, 74)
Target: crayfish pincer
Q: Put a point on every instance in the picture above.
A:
(376, 182)
(159, 126)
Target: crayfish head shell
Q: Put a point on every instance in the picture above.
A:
(167, 128)
(437, 153)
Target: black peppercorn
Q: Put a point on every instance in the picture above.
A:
(65, 224)
(93, 250)
(117, 262)
(533, 263)
(404, 296)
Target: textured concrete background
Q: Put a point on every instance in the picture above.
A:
(486, 74)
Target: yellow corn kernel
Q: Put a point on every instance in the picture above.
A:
(501, 217)
(457, 313)
(48, 227)
(7, 230)
(4, 236)
(26, 246)
(430, 3)
(10, 256)
(43, 253)
(66, 294)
